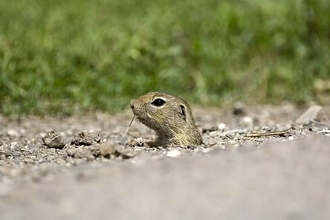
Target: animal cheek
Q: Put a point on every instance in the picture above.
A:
(161, 118)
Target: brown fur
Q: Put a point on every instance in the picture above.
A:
(173, 121)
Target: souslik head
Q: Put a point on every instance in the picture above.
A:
(171, 117)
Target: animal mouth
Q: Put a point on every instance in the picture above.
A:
(145, 122)
(142, 120)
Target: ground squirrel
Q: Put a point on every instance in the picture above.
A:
(169, 116)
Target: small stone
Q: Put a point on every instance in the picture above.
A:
(210, 142)
(267, 129)
(325, 132)
(86, 138)
(309, 115)
(107, 149)
(123, 152)
(136, 142)
(70, 152)
(173, 153)
(209, 129)
(239, 109)
(116, 130)
(110, 149)
(247, 121)
(221, 126)
(13, 133)
(291, 138)
(53, 140)
(231, 142)
(220, 146)
(213, 133)
(29, 161)
(13, 144)
(206, 150)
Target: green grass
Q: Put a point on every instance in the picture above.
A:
(57, 56)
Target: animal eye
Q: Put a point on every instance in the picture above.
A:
(158, 102)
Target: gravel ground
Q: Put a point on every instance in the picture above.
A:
(256, 163)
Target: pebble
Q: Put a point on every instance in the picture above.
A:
(309, 115)
(325, 132)
(291, 138)
(29, 161)
(239, 109)
(213, 133)
(86, 138)
(111, 149)
(117, 130)
(13, 133)
(173, 153)
(247, 121)
(206, 150)
(211, 143)
(267, 129)
(221, 126)
(233, 143)
(13, 144)
(220, 146)
(107, 149)
(53, 140)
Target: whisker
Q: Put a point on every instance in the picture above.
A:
(127, 129)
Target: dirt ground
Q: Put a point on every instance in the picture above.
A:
(255, 163)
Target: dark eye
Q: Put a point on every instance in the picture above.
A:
(158, 102)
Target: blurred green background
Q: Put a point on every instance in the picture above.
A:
(63, 56)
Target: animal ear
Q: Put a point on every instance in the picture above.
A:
(183, 112)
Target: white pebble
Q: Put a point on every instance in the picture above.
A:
(13, 133)
(309, 115)
(173, 153)
(221, 126)
(42, 134)
(247, 121)
(325, 132)
(12, 144)
(206, 150)
(213, 133)
(291, 138)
